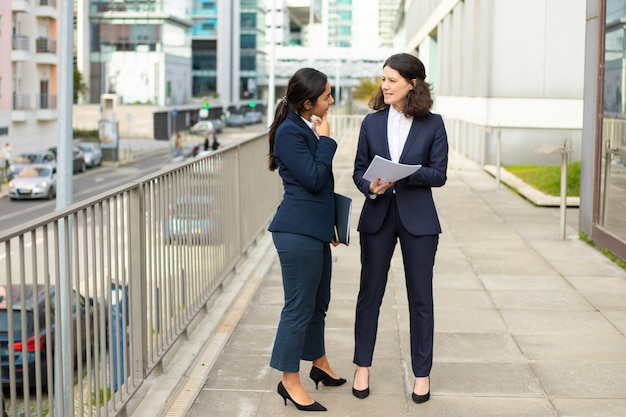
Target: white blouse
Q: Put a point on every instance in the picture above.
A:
(398, 127)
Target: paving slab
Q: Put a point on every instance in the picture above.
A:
(526, 324)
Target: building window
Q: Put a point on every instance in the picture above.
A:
(613, 139)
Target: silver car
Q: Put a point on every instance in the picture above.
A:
(34, 181)
(92, 153)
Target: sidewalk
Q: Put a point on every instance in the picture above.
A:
(526, 324)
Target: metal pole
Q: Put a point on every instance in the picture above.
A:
(271, 84)
(498, 156)
(64, 378)
(564, 159)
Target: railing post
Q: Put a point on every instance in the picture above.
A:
(137, 309)
(565, 150)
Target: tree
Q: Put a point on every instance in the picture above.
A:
(366, 89)
(79, 85)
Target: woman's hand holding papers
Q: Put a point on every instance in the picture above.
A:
(379, 189)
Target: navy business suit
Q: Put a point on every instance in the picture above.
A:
(302, 229)
(405, 212)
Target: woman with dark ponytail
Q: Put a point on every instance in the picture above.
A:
(301, 149)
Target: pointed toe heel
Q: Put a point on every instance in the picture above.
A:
(282, 391)
(317, 375)
(419, 399)
(362, 393)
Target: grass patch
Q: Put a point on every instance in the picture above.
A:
(547, 179)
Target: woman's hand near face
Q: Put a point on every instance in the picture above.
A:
(322, 127)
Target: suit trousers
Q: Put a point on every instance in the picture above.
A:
(418, 257)
(306, 269)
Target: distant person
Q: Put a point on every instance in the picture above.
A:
(215, 145)
(402, 129)
(301, 149)
(5, 156)
(178, 145)
(206, 144)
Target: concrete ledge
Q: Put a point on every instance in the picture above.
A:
(528, 192)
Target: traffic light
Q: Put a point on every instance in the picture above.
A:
(252, 104)
(204, 110)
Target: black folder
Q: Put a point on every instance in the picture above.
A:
(343, 207)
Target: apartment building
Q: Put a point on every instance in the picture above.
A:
(342, 38)
(28, 73)
(139, 50)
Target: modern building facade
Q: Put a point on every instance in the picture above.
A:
(139, 50)
(339, 37)
(603, 170)
(533, 73)
(28, 73)
(502, 70)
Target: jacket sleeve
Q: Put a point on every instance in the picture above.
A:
(433, 171)
(311, 170)
(362, 159)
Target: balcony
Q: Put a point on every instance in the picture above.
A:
(299, 12)
(46, 107)
(46, 49)
(127, 6)
(46, 8)
(20, 50)
(20, 6)
(21, 107)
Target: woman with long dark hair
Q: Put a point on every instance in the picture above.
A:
(402, 129)
(301, 149)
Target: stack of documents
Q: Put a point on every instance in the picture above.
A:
(388, 171)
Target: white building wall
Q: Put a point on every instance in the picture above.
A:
(508, 65)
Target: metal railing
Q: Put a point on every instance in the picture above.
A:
(120, 277)
(21, 101)
(45, 45)
(46, 101)
(20, 42)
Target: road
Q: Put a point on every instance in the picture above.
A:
(107, 177)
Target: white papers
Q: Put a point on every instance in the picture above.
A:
(388, 171)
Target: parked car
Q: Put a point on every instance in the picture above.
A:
(78, 159)
(253, 117)
(218, 125)
(192, 219)
(29, 158)
(202, 128)
(34, 181)
(235, 120)
(92, 153)
(25, 361)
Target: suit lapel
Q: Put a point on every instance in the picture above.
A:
(411, 139)
(382, 132)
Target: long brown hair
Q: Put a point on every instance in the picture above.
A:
(418, 100)
(305, 84)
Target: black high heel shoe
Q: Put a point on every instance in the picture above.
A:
(363, 393)
(282, 391)
(422, 398)
(317, 375)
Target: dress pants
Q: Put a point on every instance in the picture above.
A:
(418, 256)
(306, 268)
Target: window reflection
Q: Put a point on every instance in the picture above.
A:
(613, 175)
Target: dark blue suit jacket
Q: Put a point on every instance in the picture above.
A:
(305, 166)
(427, 144)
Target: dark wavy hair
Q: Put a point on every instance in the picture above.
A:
(305, 84)
(418, 100)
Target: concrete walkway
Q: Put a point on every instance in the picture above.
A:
(526, 324)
